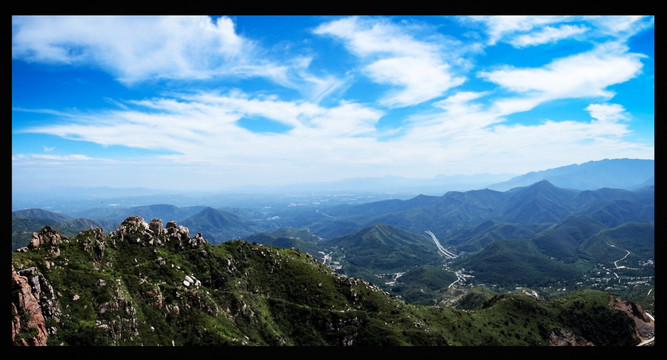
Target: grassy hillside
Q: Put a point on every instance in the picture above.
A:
(136, 288)
(382, 249)
(632, 242)
(421, 285)
(516, 263)
(563, 240)
(40, 214)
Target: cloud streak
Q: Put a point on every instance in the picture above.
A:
(204, 130)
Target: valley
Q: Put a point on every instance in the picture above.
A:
(540, 240)
(571, 239)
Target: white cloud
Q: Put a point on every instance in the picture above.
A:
(207, 145)
(467, 137)
(395, 58)
(607, 112)
(52, 158)
(501, 27)
(199, 135)
(522, 31)
(582, 75)
(204, 128)
(422, 79)
(548, 34)
(141, 48)
(620, 26)
(375, 37)
(133, 48)
(71, 157)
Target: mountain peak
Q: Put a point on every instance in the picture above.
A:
(543, 184)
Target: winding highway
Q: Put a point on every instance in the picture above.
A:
(448, 254)
(651, 340)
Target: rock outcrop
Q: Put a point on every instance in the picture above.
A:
(156, 227)
(562, 337)
(28, 324)
(47, 237)
(136, 229)
(643, 323)
(133, 225)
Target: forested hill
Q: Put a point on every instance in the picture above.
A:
(149, 284)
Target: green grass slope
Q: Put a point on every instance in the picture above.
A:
(134, 287)
(511, 263)
(382, 249)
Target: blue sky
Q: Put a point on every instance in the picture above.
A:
(208, 103)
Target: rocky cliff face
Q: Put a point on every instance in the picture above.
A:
(33, 298)
(28, 325)
(644, 325)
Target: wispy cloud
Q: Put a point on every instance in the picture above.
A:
(501, 27)
(145, 48)
(27, 158)
(582, 75)
(135, 48)
(457, 128)
(204, 130)
(522, 31)
(393, 57)
(547, 35)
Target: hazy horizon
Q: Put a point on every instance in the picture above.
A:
(207, 103)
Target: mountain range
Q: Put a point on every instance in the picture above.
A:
(148, 285)
(629, 174)
(530, 232)
(539, 203)
(424, 250)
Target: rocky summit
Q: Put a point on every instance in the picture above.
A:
(145, 284)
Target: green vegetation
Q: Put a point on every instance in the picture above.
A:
(423, 284)
(130, 290)
(133, 287)
(383, 249)
(516, 263)
(289, 238)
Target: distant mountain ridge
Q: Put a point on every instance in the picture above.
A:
(26, 222)
(40, 214)
(541, 202)
(218, 226)
(628, 174)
